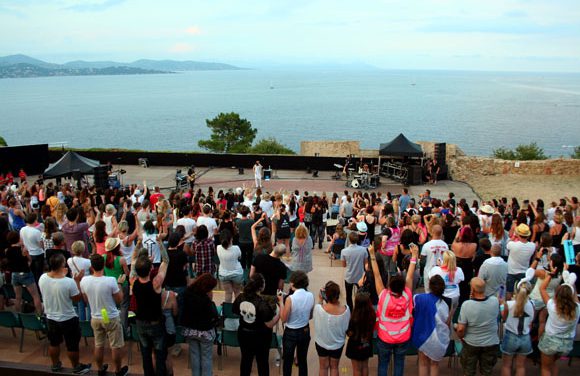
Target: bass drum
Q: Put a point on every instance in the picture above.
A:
(355, 183)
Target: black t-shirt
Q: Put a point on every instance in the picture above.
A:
(15, 261)
(175, 276)
(478, 261)
(245, 230)
(254, 312)
(273, 271)
(283, 227)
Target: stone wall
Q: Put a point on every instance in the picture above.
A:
(452, 149)
(329, 148)
(462, 168)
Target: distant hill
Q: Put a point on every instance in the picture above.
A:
(15, 66)
(22, 70)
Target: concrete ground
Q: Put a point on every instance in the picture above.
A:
(226, 178)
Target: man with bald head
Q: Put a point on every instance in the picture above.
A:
(477, 327)
(432, 252)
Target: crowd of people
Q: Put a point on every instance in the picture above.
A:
(418, 271)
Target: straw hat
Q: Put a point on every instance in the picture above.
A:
(487, 209)
(523, 230)
(112, 243)
(110, 209)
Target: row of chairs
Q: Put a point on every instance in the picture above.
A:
(25, 321)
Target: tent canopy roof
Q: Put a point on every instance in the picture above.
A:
(400, 146)
(69, 163)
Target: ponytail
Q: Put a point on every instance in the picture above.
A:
(521, 298)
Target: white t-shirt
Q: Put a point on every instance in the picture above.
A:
(267, 207)
(512, 323)
(433, 252)
(57, 294)
(230, 261)
(152, 246)
(557, 326)
(519, 255)
(208, 222)
(99, 292)
(330, 329)
(189, 224)
(451, 287)
(258, 171)
(32, 240)
(76, 264)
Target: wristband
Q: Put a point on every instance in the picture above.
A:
(373, 259)
(538, 260)
(413, 259)
(413, 262)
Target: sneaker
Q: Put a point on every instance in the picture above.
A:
(123, 372)
(103, 370)
(81, 369)
(57, 367)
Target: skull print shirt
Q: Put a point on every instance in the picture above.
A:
(254, 312)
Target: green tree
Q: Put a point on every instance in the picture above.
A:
(270, 146)
(229, 134)
(576, 154)
(523, 152)
(3, 141)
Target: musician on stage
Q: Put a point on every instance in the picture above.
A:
(191, 176)
(258, 174)
(346, 164)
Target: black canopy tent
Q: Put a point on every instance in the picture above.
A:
(400, 146)
(71, 163)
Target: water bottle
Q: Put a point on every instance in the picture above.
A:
(105, 316)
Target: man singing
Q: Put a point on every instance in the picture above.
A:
(258, 174)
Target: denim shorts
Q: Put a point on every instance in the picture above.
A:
(514, 344)
(23, 279)
(554, 345)
(235, 279)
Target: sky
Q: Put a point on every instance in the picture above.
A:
(505, 35)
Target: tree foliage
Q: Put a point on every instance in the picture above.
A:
(270, 146)
(3, 141)
(230, 134)
(576, 153)
(523, 152)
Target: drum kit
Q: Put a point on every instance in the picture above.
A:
(364, 180)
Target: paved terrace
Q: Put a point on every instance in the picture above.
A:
(323, 272)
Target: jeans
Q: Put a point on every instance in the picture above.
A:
(318, 231)
(200, 355)
(124, 312)
(254, 344)
(349, 287)
(180, 291)
(152, 338)
(398, 350)
(83, 310)
(296, 339)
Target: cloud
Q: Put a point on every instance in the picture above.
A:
(12, 12)
(181, 47)
(193, 30)
(93, 6)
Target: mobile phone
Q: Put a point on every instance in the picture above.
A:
(280, 292)
(323, 294)
(501, 294)
(412, 244)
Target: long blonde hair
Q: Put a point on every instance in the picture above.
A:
(522, 295)
(450, 262)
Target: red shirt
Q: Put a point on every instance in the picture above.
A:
(154, 198)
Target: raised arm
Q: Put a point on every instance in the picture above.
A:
(412, 265)
(544, 288)
(379, 286)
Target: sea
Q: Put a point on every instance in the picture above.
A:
(479, 111)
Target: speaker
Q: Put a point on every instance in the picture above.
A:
(440, 153)
(267, 174)
(101, 177)
(415, 176)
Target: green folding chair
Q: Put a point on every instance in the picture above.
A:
(32, 322)
(9, 320)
